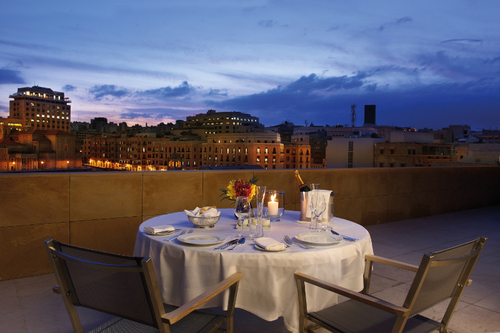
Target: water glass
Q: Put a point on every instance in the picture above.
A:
(242, 208)
(259, 197)
(253, 225)
(318, 206)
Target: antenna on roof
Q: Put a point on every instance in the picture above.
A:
(353, 115)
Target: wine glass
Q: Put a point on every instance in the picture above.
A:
(242, 208)
(318, 206)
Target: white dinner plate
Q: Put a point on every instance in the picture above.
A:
(201, 239)
(263, 249)
(319, 238)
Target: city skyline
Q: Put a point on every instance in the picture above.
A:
(422, 64)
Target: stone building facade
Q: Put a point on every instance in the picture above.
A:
(41, 108)
(218, 150)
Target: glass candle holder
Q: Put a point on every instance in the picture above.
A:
(274, 204)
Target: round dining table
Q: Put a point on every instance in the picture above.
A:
(185, 269)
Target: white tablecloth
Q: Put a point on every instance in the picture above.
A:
(268, 287)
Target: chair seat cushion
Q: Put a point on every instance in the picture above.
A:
(194, 322)
(355, 317)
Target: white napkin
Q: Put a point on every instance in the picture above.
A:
(196, 212)
(270, 244)
(158, 228)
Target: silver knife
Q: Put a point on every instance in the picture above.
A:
(350, 239)
(223, 246)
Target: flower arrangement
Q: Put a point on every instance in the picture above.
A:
(239, 188)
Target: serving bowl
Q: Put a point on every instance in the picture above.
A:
(204, 221)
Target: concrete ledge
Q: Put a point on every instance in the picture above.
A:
(102, 210)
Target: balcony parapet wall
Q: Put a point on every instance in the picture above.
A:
(103, 210)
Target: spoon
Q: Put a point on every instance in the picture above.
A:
(350, 239)
(241, 241)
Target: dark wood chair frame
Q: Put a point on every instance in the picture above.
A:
(163, 320)
(403, 313)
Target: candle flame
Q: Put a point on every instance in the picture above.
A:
(273, 197)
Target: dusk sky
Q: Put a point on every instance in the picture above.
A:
(422, 63)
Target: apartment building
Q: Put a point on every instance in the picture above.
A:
(41, 108)
(39, 150)
(214, 122)
(218, 150)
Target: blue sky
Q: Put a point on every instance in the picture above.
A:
(423, 63)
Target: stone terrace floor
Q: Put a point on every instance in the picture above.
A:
(28, 304)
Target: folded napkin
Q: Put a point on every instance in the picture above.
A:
(197, 210)
(270, 244)
(158, 229)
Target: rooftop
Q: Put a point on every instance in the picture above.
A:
(28, 304)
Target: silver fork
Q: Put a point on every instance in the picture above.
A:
(175, 237)
(289, 241)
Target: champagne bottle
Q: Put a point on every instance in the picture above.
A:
(302, 186)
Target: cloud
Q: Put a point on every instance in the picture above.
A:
(68, 88)
(101, 91)
(307, 95)
(314, 84)
(463, 41)
(153, 112)
(138, 115)
(181, 90)
(266, 23)
(327, 100)
(459, 68)
(10, 76)
(403, 20)
(216, 93)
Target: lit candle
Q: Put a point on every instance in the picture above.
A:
(273, 206)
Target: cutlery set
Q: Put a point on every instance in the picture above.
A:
(181, 233)
(290, 242)
(235, 242)
(232, 244)
(347, 238)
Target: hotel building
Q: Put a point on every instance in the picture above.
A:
(41, 109)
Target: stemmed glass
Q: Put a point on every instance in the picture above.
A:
(242, 208)
(318, 206)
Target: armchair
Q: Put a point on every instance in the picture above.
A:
(441, 276)
(126, 287)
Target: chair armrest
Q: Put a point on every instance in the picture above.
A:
(179, 313)
(363, 298)
(390, 262)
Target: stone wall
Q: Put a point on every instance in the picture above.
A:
(103, 210)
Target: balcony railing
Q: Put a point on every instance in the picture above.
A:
(103, 210)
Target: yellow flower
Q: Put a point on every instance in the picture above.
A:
(239, 187)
